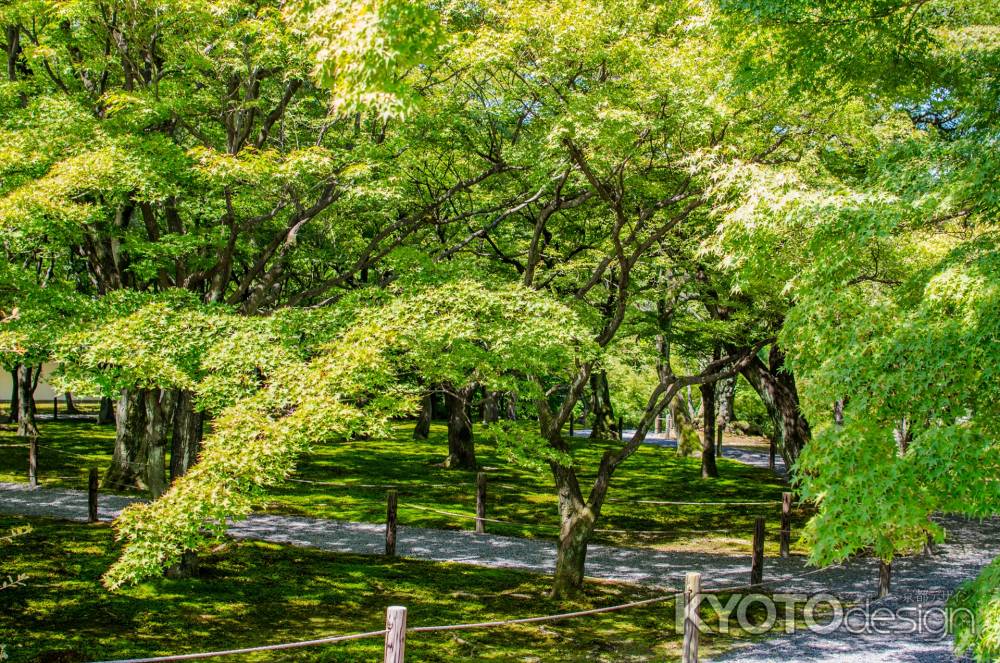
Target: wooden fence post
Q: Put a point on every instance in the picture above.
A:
(33, 461)
(884, 578)
(395, 634)
(55, 408)
(786, 523)
(92, 496)
(571, 425)
(692, 601)
(481, 503)
(391, 500)
(621, 428)
(772, 452)
(757, 562)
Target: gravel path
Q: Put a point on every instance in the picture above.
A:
(920, 585)
(923, 581)
(665, 569)
(748, 456)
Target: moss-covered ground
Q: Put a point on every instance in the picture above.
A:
(347, 480)
(248, 594)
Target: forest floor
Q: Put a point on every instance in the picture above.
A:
(920, 586)
(250, 593)
(337, 504)
(348, 480)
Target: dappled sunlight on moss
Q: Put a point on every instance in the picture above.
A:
(514, 494)
(256, 593)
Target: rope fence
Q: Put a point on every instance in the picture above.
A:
(70, 453)
(479, 518)
(251, 650)
(545, 618)
(397, 629)
(665, 531)
(395, 634)
(348, 484)
(468, 516)
(670, 503)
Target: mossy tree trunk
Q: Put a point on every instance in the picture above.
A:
(422, 429)
(578, 515)
(160, 405)
(188, 431)
(128, 460)
(510, 406)
(727, 412)
(189, 424)
(461, 446)
(186, 568)
(577, 520)
(491, 406)
(143, 425)
(27, 381)
(70, 405)
(687, 436)
(776, 388)
(106, 412)
(602, 425)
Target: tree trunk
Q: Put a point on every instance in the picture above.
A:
(13, 50)
(776, 389)
(687, 436)
(159, 419)
(14, 394)
(188, 430)
(106, 413)
(571, 555)
(129, 459)
(70, 406)
(491, 407)
(26, 382)
(510, 401)
(187, 567)
(602, 414)
(34, 386)
(838, 411)
(577, 522)
(709, 469)
(423, 428)
(727, 398)
(461, 449)
(727, 404)
(578, 517)
(903, 436)
(438, 409)
(185, 444)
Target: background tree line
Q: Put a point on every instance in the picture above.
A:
(299, 221)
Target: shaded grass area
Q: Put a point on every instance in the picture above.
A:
(66, 452)
(353, 477)
(250, 594)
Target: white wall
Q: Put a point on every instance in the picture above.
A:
(43, 393)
